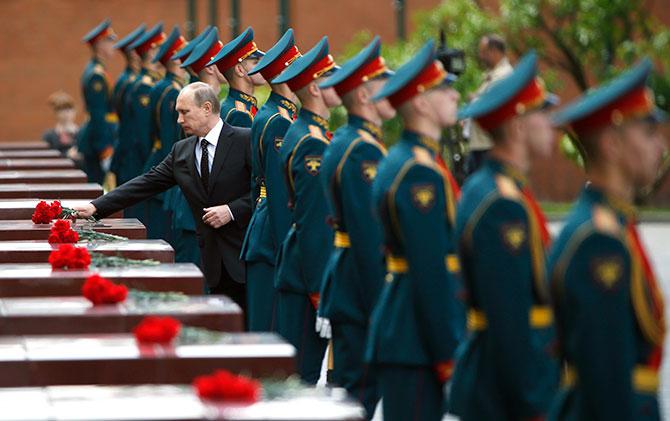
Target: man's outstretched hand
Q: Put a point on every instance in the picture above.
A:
(217, 216)
(85, 211)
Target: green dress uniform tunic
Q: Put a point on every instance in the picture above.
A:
(355, 271)
(417, 322)
(260, 246)
(609, 315)
(96, 138)
(238, 109)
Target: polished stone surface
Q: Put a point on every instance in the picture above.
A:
(76, 315)
(130, 228)
(37, 251)
(88, 191)
(42, 176)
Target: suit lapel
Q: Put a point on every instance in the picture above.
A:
(192, 167)
(222, 149)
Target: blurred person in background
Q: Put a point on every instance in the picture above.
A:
(63, 135)
(492, 57)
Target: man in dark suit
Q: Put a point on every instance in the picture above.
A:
(212, 167)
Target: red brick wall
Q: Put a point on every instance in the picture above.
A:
(42, 49)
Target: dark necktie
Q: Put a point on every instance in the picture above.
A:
(204, 164)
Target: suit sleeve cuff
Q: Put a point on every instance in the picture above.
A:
(230, 212)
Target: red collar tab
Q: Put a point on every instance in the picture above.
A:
(201, 63)
(529, 98)
(312, 73)
(282, 62)
(233, 58)
(635, 104)
(178, 44)
(428, 78)
(367, 72)
(151, 43)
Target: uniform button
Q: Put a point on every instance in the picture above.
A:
(389, 277)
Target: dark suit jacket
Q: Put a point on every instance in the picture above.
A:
(229, 183)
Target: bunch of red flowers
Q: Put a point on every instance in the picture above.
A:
(225, 386)
(99, 290)
(45, 212)
(68, 256)
(157, 330)
(62, 232)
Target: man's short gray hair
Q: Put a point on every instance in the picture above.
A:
(202, 93)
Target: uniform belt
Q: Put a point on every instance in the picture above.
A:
(342, 240)
(396, 264)
(111, 118)
(645, 378)
(539, 317)
(263, 193)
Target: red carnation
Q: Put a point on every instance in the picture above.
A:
(99, 290)
(61, 225)
(61, 232)
(225, 386)
(56, 208)
(69, 257)
(42, 214)
(45, 213)
(155, 329)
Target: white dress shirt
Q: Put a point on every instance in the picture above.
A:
(212, 140)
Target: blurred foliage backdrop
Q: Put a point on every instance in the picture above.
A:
(588, 40)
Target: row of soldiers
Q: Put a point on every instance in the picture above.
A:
(435, 299)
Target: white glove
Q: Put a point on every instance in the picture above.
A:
(105, 164)
(318, 324)
(326, 330)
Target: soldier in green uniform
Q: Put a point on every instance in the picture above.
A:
(355, 271)
(131, 70)
(305, 250)
(164, 127)
(134, 147)
(607, 300)
(97, 136)
(234, 61)
(416, 325)
(197, 62)
(506, 369)
(120, 95)
(261, 242)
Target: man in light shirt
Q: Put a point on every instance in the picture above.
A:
(492, 56)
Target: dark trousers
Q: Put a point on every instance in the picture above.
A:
(261, 297)
(158, 220)
(231, 288)
(410, 393)
(349, 368)
(297, 317)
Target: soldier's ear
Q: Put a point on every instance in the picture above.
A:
(313, 89)
(240, 71)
